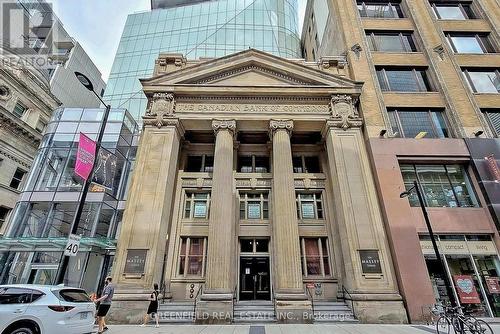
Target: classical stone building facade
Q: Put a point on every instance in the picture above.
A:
(26, 105)
(252, 182)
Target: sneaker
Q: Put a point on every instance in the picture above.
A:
(143, 325)
(157, 326)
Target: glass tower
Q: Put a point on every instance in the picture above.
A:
(204, 29)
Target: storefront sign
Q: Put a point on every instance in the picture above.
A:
(135, 262)
(466, 290)
(370, 262)
(85, 156)
(460, 247)
(492, 285)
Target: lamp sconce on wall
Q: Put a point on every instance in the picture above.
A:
(440, 51)
(356, 48)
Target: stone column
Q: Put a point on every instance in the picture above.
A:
(359, 218)
(291, 301)
(217, 297)
(142, 241)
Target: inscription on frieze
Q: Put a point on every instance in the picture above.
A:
(270, 108)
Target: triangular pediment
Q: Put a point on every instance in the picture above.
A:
(251, 75)
(250, 68)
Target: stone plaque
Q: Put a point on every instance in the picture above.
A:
(136, 260)
(370, 262)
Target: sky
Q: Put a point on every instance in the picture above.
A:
(98, 24)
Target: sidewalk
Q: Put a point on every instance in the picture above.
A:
(277, 329)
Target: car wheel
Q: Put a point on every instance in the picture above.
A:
(23, 330)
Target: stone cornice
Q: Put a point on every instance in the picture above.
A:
(224, 124)
(18, 127)
(16, 159)
(280, 124)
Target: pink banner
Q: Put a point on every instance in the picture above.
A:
(85, 156)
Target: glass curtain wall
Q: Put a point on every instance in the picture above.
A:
(207, 29)
(42, 218)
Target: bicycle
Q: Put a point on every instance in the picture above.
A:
(453, 317)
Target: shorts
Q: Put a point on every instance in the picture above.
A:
(103, 310)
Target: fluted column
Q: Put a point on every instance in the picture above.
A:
(217, 295)
(288, 275)
(291, 301)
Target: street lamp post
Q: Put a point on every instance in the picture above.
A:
(415, 187)
(76, 219)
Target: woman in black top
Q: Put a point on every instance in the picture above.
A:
(153, 307)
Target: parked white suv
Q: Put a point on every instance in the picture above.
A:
(45, 309)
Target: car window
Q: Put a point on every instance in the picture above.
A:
(74, 296)
(18, 295)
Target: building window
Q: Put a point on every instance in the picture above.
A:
(483, 80)
(441, 185)
(403, 79)
(253, 164)
(380, 9)
(306, 164)
(314, 255)
(391, 41)
(4, 212)
(309, 206)
(17, 178)
(196, 205)
(40, 126)
(254, 206)
(493, 117)
(453, 11)
(192, 256)
(199, 163)
(410, 123)
(469, 43)
(19, 110)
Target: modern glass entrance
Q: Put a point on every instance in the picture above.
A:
(254, 280)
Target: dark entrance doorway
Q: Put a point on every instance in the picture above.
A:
(254, 278)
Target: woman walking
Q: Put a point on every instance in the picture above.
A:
(153, 307)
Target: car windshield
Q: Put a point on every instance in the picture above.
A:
(74, 296)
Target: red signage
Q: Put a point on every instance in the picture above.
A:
(492, 284)
(493, 167)
(466, 290)
(85, 156)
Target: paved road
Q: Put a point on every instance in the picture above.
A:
(277, 329)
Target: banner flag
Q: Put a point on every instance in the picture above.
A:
(85, 156)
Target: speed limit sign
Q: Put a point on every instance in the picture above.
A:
(73, 245)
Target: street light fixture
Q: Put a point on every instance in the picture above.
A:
(407, 193)
(85, 81)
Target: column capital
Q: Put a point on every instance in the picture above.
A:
(280, 124)
(344, 113)
(224, 124)
(161, 108)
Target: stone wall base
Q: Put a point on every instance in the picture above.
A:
(294, 312)
(127, 312)
(214, 312)
(380, 311)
